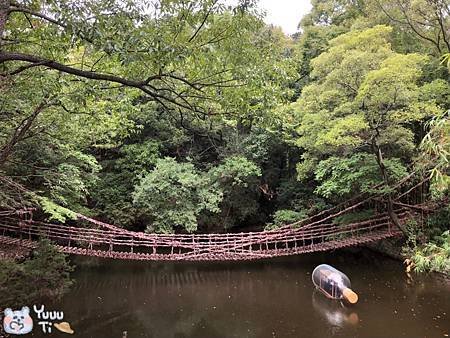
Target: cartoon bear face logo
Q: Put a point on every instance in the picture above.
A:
(17, 322)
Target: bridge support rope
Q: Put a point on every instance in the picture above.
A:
(317, 233)
(121, 244)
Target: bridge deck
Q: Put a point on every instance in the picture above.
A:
(244, 255)
(116, 243)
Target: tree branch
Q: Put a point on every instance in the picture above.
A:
(203, 22)
(142, 85)
(11, 56)
(24, 10)
(154, 92)
(23, 68)
(440, 19)
(408, 23)
(20, 9)
(20, 132)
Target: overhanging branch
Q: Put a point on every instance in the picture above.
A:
(149, 86)
(153, 92)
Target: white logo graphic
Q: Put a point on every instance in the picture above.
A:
(18, 322)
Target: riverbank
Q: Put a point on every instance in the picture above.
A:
(391, 247)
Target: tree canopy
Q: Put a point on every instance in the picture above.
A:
(196, 116)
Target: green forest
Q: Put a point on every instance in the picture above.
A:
(181, 116)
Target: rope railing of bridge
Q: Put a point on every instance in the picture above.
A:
(318, 233)
(232, 246)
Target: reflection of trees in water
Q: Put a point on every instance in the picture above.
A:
(427, 291)
(248, 300)
(187, 302)
(337, 315)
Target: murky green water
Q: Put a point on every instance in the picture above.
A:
(271, 298)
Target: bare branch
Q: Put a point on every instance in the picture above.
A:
(440, 18)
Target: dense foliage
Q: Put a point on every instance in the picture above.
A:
(174, 194)
(44, 275)
(183, 116)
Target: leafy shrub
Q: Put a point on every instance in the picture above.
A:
(283, 217)
(113, 193)
(359, 173)
(235, 171)
(238, 180)
(429, 246)
(352, 217)
(44, 275)
(69, 182)
(174, 194)
(434, 256)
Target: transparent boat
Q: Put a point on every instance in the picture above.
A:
(333, 283)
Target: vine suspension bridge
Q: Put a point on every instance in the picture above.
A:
(316, 233)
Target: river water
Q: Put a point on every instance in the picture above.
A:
(270, 298)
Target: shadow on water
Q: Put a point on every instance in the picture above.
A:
(270, 298)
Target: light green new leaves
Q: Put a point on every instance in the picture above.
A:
(391, 92)
(174, 194)
(54, 211)
(344, 132)
(358, 173)
(436, 152)
(236, 170)
(362, 88)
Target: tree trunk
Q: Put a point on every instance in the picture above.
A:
(4, 11)
(390, 204)
(244, 127)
